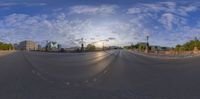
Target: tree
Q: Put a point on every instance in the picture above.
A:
(90, 47)
(4, 46)
(142, 47)
(178, 47)
(188, 46)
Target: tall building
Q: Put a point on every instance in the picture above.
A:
(27, 45)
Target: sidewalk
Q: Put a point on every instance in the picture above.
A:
(163, 56)
(2, 52)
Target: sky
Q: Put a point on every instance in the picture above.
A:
(114, 22)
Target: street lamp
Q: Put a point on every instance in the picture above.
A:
(103, 46)
(82, 45)
(147, 45)
(103, 41)
(195, 48)
(147, 40)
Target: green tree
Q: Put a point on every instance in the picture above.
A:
(90, 47)
(4, 46)
(142, 47)
(188, 46)
(178, 47)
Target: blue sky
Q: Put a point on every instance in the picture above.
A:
(115, 22)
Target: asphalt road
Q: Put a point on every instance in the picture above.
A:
(114, 74)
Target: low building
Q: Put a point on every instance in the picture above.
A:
(159, 48)
(59, 46)
(39, 47)
(114, 47)
(16, 46)
(27, 45)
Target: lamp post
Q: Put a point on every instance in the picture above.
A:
(46, 48)
(103, 45)
(103, 41)
(147, 45)
(195, 51)
(82, 45)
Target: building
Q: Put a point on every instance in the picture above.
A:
(27, 45)
(39, 47)
(143, 44)
(53, 46)
(114, 47)
(59, 46)
(16, 46)
(159, 48)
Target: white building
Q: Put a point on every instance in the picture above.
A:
(53, 46)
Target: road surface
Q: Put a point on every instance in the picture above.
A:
(116, 74)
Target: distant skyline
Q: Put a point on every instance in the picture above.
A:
(116, 22)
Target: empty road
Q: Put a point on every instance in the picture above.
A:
(116, 74)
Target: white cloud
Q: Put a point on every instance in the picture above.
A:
(33, 4)
(87, 9)
(171, 21)
(134, 11)
(5, 4)
(18, 27)
(169, 14)
(171, 7)
(160, 21)
(22, 27)
(167, 20)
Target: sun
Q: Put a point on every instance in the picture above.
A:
(99, 44)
